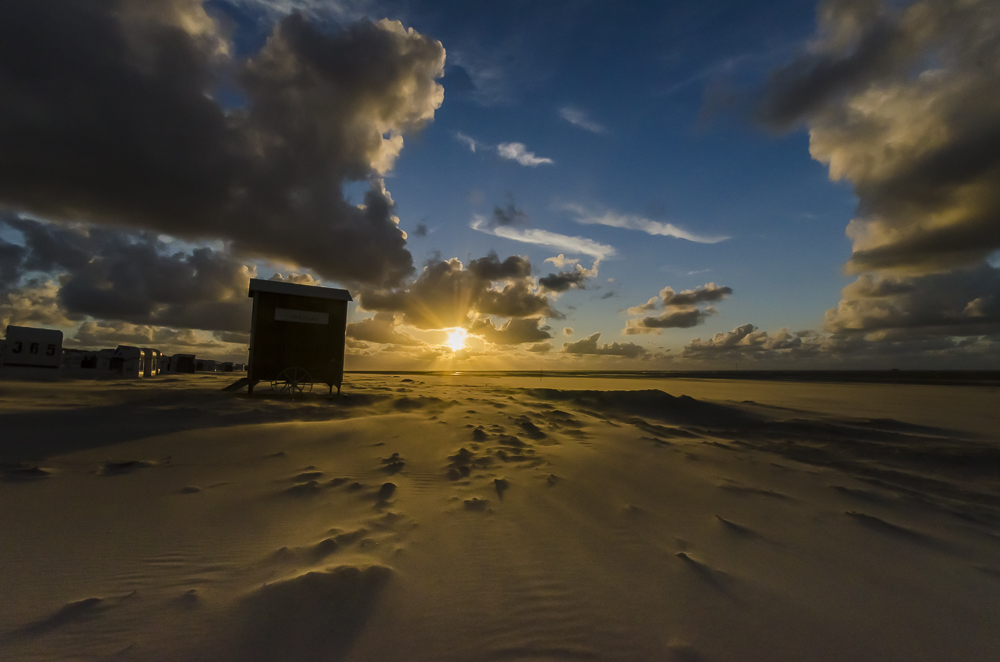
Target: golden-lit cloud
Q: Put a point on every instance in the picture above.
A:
(902, 101)
(449, 295)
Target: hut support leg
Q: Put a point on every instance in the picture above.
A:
(250, 386)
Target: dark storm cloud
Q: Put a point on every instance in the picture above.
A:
(902, 99)
(589, 346)
(512, 332)
(135, 278)
(11, 256)
(110, 115)
(446, 293)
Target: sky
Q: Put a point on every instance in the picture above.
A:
(511, 185)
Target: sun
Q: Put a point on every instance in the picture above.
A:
(456, 339)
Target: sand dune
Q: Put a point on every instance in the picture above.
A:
(496, 518)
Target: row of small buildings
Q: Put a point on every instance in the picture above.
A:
(32, 352)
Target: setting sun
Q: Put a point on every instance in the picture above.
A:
(456, 339)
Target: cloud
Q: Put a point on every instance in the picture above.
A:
(578, 118)
(34, 304)
(11, 257)
(110, 334)
(652, 304)
(656, 228)
(343, 11)
(578, 245)
(680, 311)
(421, 230)
(518, 152)
(509, 215)
(512, 332)
(561, 261)
(962, 302)
(589, 346)
(900, 100)
(446, 294)
(541, 348)
(566, 280)
(878, 350)
(383, 329)
(298, 279)
(471, 143)
(134, 277)
(747, 341)
(674, 319)
(112, 115)
(567, 330)
(707, 292)
(516, 300)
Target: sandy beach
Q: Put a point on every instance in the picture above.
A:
(457, 517)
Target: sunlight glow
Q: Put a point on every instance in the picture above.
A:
(456, 339)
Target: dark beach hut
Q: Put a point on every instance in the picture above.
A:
(297, 335)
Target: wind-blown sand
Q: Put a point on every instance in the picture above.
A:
(499, 518)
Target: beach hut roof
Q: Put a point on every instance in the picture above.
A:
(281, 287)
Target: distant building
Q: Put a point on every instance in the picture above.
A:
(298, 333)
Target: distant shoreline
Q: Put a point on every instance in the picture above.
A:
(926, 377)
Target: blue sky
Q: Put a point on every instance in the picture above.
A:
(662, 148)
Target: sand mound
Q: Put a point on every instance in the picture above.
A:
(73, 612)
(316, 616)
(22, 471)
(682, 410)
(112, 468)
